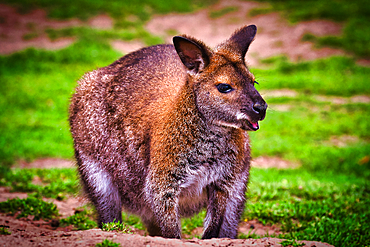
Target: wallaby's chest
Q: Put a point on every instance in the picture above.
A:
(211, 160)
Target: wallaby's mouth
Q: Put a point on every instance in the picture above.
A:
(253, 125)
(247, 123)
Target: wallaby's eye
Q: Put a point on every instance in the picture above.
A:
(224, 88)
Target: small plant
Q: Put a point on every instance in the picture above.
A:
(189, 224)
(291, 243)
(80, 220)
(29, 206)
(108, 243)
(116, 226)
(252, 234)
(4, 231)
(249, 235)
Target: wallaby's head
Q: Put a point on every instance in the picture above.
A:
(223, 85)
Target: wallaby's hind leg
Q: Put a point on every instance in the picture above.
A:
(102, 191)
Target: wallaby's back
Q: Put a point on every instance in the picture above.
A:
(139, 79)
(162, 133)
(112, 112)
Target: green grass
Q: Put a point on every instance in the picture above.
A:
(303, 133)
(143, 9)
(107, 243)
(189, 224)
(81, 220)
(332, 209)
(31, 206)
(132, 220)
(116, 226)
(354, 14)
(36, 87)
(309, 143)
(51, 183)
(102, 36)
(338, 76)
(291, 243)
(4, 231)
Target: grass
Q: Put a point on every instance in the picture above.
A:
(189, 224)
(337, 76)
(81, 220)
(311, 206)
(107, 243)
(132, 220)
(291, 243)
(142, 9)
(4, 231)
(253, 235)
(33, 206)
(51, 183)
(354, 14)
(326, 199)
(116, 226)
(35, 123)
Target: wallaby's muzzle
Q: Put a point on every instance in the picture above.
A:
(260, 109)
(251, 116)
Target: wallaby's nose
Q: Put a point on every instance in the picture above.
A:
(260, 108)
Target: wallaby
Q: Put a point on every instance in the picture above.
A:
(162, 133)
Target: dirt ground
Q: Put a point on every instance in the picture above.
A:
(275, 36)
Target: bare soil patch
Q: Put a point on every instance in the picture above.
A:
(275, 35)
(126, 47)
(279, 93)
(275, 162)
(15, 28)
(19, 32)
(343, 141)
(45, 163)
(365, 99)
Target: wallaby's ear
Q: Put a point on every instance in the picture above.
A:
(241, 39)
(192, 54)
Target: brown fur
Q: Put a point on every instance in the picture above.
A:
(158, 133)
